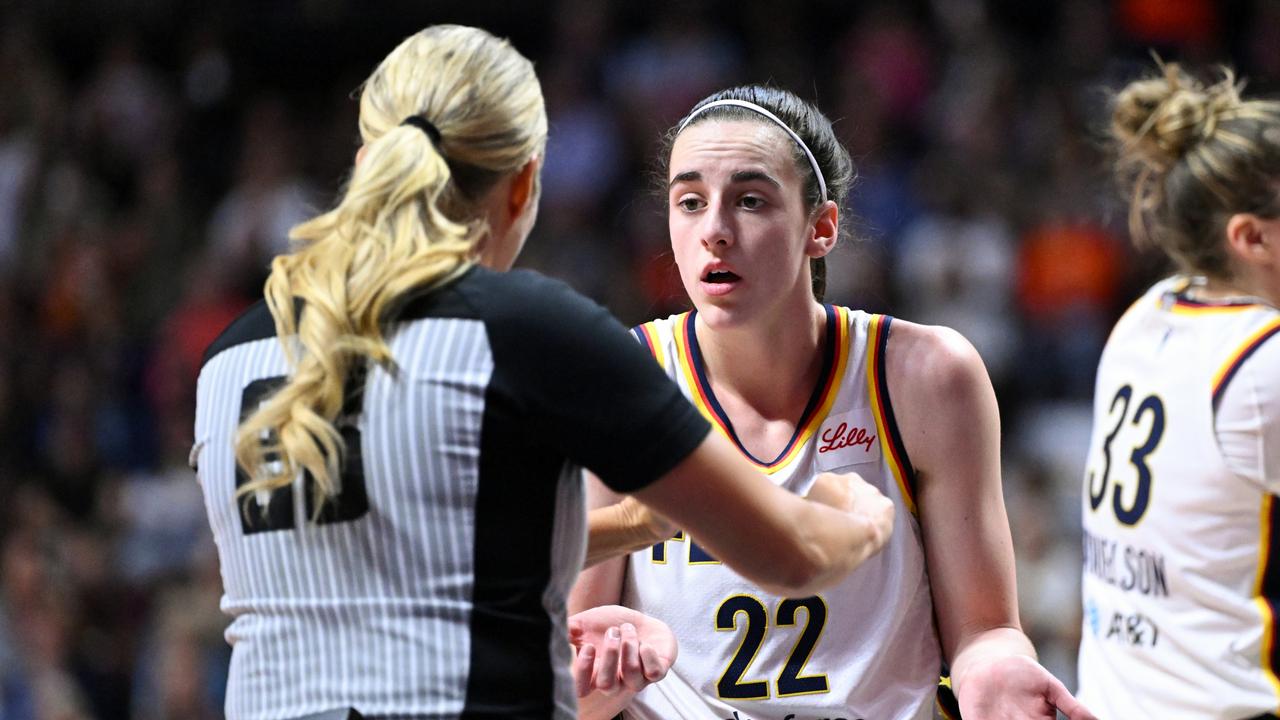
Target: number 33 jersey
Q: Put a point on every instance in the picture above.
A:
(866, 648)
(1181, 575)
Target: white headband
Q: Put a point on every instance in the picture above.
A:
(813, 162)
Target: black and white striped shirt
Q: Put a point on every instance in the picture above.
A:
(434, 584)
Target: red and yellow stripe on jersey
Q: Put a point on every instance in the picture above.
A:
(835, 361)
(1266, 589)
(1228, 370)
(1184, 306)
(647, 334)
(895, 452)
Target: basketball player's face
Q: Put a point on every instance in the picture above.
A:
(738, 223)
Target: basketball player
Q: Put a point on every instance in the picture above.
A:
(756, 178)
(1181, 578)
(386, 444)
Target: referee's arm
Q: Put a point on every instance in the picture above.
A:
(784, 543)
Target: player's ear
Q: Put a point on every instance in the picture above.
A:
(360, 153)
(1254, 239)
(824, 230)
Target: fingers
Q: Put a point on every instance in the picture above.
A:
(619, 659)
(606, 675)
(652, 664)
(583, 665)
(850, 493)
(629, 669)
(1062, 699)
(831, 490)
(873, 505)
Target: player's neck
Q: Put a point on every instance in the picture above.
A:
(771, 364)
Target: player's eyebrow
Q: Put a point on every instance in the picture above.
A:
(687, 176)
(742, 176)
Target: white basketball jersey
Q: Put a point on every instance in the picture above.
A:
(1179, 582)
(866, 648)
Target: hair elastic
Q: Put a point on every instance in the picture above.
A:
(425, 126)
(813, 162)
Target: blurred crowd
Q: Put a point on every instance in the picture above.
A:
(153, 157)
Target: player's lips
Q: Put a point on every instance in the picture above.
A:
(719, 279)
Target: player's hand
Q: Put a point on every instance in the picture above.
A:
(1015, 687)
(646, 520)
(617, 648)
(850, 493)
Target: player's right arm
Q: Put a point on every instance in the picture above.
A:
(598, 585)
(600, 582)
(622, 527)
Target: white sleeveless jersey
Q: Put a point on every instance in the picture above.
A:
(866, 648)
(1179, 581)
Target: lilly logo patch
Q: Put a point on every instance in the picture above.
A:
(848, 439)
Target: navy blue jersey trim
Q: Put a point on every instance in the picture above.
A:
(891, 422)
(830, 353)
(1237, 363)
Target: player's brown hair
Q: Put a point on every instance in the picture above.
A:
(406, 222)
(1189, 156)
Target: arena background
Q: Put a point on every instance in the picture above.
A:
(153, 156)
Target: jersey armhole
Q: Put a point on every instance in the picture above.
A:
(647, 335)
(1243, 406)
(895, 451)
(1228, 370)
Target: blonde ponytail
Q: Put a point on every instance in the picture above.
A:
(406, 223)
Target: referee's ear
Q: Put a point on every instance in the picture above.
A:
(524, 187)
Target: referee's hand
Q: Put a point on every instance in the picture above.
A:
(850, 493)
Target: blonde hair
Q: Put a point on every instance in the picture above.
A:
(1191, 155)
(406, 222)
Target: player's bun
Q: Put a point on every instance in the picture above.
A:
(1159, 120)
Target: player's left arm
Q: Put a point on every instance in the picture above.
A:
(947, 414)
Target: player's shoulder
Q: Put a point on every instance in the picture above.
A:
(255, 323)
(661, 328)
(1255, 350)
(931, 359)
(658, 336)
(1165, 295)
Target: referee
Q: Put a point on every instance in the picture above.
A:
(388, 444)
